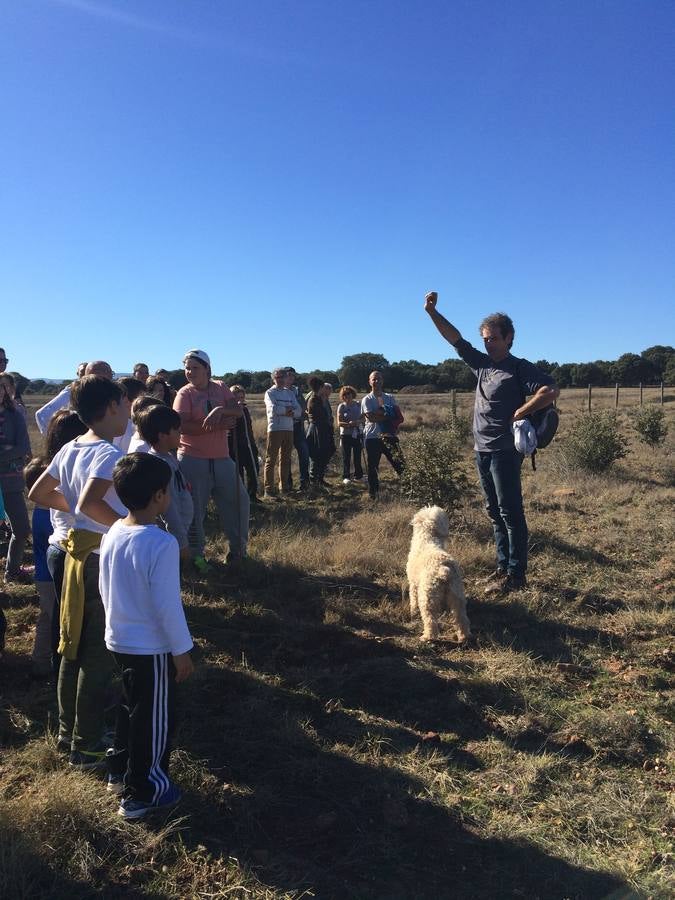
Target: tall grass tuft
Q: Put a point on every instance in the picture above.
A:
(433, 472)
(594, 442)
(649, 424)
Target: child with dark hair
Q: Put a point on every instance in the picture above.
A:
(146, 631)
(158, 388)
(78, 482)
(133, 388)
(159, 426)
(137, 443)
(52, 526)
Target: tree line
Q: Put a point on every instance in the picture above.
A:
(654, 365)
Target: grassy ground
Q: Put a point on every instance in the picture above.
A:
(325, 752)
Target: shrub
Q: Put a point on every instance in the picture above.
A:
(594, 442)
(432, 474)
(650, 425)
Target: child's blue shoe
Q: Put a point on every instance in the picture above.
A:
(136, 809)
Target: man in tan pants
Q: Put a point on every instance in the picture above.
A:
(282, 409)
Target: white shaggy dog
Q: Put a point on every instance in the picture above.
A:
(434, 578)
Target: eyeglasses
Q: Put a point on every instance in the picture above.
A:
(4, 358)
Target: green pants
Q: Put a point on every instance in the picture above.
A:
(83, 682)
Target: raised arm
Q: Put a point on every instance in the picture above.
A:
(447, 330)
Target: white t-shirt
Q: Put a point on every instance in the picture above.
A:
(122, 442)
(74, 465)
(139, 580)
(137, 444)
(61, 524)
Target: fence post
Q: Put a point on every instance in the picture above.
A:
(616, 396)
(662, 397)
(640, 393)
(589, 397)
(453, 400)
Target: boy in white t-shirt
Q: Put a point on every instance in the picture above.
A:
(78, 481)
(147, 634)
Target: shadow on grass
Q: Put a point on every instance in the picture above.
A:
(24, 874)
(306, 811)
(510, 623)
(541, 542)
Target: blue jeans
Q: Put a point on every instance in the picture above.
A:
(499, 474)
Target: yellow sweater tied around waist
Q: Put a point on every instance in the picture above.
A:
(78, 545)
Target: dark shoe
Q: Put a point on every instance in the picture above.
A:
(513, 583)
(304, 485)
(87, 760)
(21, 576)
(495, 581)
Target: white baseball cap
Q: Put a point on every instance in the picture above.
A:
(201, 355)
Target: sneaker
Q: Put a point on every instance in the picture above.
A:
(201, 565)
(346, 481)
(63, 746)
(116, 785)
(136, 809)
(87, 760)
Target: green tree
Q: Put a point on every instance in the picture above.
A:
(355, 369)
(659, 356)
(631, 369)
(587, 373)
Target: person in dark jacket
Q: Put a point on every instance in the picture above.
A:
(320, 436)
(14, 452)
(246, 453)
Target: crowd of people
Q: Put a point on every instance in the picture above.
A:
(120, 496)
(122, 456)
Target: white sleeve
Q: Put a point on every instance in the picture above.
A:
(165, 594)
(44, 414)
(104, 463)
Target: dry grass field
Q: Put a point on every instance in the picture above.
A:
(325, 752)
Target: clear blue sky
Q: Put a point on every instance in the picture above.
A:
(281, 180)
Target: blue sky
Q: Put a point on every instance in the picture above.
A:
(282, 181)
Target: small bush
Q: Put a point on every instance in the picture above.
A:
(594, 442)
(650, 425)
(432, 474)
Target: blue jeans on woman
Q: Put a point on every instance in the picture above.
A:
(499, 474)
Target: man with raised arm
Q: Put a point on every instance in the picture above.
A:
(508, 389)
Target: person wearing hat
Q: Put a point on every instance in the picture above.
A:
(208, 410)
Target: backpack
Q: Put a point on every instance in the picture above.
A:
(545, 421)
